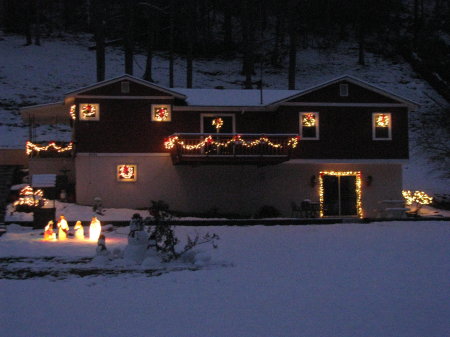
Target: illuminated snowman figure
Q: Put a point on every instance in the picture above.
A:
(79, 231)
(63, 228)
(95, 229)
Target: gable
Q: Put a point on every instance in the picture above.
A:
(137, 87)
(359, 92)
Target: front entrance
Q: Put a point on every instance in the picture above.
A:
(340, 193)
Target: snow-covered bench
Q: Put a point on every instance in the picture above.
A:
(391, 209)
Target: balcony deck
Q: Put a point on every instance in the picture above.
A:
(231, 149)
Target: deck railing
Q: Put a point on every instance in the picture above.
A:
(186, 146)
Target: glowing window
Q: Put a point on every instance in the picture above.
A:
(89, 112)
(309, 125)
(161, 113)
(381, 126)
(126, 173)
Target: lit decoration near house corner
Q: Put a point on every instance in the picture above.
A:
(172, 141)
(30, 198)
(88, 111)
(161, 113)
(342, 173)
(419, 197)
(126, 172)
(72, 111)
(309, 120)
(217, 123)
(30, 148)
(49, 234)
(382, 121)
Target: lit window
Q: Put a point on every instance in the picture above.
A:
(381, 126)
(126, 172)
(161, 113)
(309, 125)
(89, 112)
(343, 90)
(125, 87)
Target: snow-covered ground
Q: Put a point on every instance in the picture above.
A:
(380, 279)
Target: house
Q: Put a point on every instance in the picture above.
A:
(340, 144)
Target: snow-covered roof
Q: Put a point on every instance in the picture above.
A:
(43, 180)
(233, 97)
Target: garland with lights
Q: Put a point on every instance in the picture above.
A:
(172, 141)
(161, 113)
(30, 148)
(217, 122)
(358, 185)
(382, 121)
(309, 120)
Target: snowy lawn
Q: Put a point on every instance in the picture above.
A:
(379, 279)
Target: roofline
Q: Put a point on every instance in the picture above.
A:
(130, 78)
(411, 104)
(37, 106)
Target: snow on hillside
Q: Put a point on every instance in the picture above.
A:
(34, 75)
(385, 279)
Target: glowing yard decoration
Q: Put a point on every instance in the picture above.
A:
(30, 148)
(79, 231)
(418, 199)
(72, 111)
(172, 141)
(126, 172)
(217, 123)
(160, 113)
(358, 185)
(49, 234)
(382, 121)
(63, 228)
(95, 229)
(309, 120)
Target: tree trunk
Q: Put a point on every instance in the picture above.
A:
(171, 38)
(150, 43)
(361, 55)
(129, 36)
(248, 43)
(292, 51)
(27, 23)
(37, 32)
(228, 30)
(98, 11)
(190, 22)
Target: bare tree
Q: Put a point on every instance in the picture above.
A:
(98, 11)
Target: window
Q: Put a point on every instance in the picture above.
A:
(126, 173)
(343, 90)
(125, 87)
(217, 123)
(161, 113)
(381, 126)
(89, 112)
(309, 125)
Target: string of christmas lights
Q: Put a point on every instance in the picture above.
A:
(30, 147)
(172, 141)
(309, 120)
(30, 197)
(382, 121)
(161, 113)
(358, 185)
(418, 197)
(72, 111)
(217, 122)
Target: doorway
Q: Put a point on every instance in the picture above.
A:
(340, 193)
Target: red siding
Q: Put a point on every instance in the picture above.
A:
(114, 89)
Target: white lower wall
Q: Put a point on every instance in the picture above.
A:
(235, 188)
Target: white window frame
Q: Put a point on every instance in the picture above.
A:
(343, 90)
(203, 115)
(89, 119)
(316, 126)
(131, 180)
(374, 137)
(169, 110)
